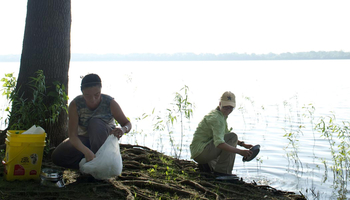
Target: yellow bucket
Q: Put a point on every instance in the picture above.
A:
(23, 157)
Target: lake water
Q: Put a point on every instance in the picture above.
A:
(273, 98)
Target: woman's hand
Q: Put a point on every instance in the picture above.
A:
(89, 156)
(247, 146)
(245, 153)
(117, 132)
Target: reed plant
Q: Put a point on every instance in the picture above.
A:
(338, 137)
(293, 132)
(135, 131)
(181, 109)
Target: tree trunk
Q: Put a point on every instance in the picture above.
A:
(46, 46)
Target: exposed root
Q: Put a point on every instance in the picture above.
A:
(158, 186)
(147, 174)
(201, 188)
(121, 187)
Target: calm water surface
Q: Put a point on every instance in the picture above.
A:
(273, 98)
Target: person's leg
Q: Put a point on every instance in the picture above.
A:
(225, 162)
(219, 160)
(209, 153)
(66, 155)
(98, 131)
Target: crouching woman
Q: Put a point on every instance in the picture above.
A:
(213, 147)
(92, 118)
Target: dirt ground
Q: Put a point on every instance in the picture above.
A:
(147, 174)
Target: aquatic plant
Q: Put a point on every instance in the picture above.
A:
(338, 137)
(248, 110)
(292, 133)
(159, 125)
(135, 132)
(181, 109)
(310, 112)
(292, 155)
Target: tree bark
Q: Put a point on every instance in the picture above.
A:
(46, 46)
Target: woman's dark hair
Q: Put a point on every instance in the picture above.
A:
(90, 80)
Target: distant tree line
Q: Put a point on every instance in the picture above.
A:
(311, 55)
(10, 58)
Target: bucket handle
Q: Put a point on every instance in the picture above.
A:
(8, 161)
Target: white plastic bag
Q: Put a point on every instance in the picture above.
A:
(108, 162)
(34, 130)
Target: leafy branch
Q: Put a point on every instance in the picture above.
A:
(43, 108)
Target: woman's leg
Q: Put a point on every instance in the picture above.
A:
(66, 155)
(225, 162)
(219, 160)
(209, 153)
(98, 131)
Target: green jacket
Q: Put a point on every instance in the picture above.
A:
(213, 127)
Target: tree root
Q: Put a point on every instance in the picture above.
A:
(158, 186)
(147, 174)
(121, 187)
(201, 188)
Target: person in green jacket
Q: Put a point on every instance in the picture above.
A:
(213, 147)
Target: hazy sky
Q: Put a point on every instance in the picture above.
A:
(198, 26)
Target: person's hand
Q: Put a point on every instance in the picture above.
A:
(246, 153)
(247, 146)
(117, 132)
(89, 156)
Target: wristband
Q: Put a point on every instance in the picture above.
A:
(127, 128)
